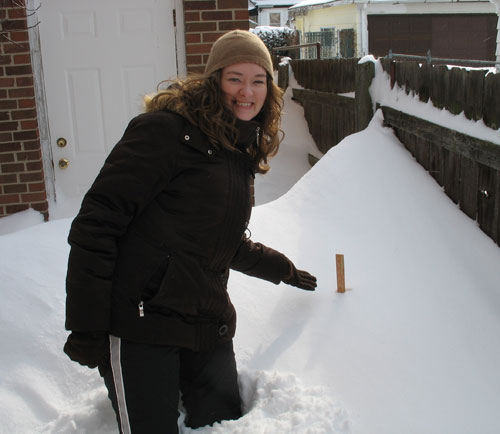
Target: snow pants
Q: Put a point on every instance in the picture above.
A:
(145, 380)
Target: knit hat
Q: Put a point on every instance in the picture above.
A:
(238, 46)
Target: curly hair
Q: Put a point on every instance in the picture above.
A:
(199, 99)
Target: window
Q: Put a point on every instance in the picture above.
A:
(275, 19)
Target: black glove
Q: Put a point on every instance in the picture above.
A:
(301, 279)
(88, 348)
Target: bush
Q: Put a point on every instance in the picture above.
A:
(275, 37)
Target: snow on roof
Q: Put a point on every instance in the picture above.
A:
(274, 3)
(308, 3)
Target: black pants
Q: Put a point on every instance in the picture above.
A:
(144, 383)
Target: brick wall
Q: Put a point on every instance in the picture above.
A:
(205, 22)
(22, 183)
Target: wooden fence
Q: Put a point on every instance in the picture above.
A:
(317, 74)
(330, 116)
(474, 92)
(467, 168)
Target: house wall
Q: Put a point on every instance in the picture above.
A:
(205, 21)
(340, 17)
(22, 183)
(264, 19)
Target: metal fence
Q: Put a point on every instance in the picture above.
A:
(328, 42)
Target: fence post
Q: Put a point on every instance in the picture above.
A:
(363, 102)
(283, 75)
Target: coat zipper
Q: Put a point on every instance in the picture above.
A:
(141, 308)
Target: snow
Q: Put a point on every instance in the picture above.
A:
(411, 347)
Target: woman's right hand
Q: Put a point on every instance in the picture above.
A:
(88, 348)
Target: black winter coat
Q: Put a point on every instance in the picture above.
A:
(157, 233)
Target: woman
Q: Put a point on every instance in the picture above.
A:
(157, 233)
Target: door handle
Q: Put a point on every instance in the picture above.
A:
(63, 163)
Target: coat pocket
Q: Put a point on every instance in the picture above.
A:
(140, 264)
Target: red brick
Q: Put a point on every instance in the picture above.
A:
(12, 167)
(34, 197)
(5, 60)
(8, 179)
(3, 93)
(12, 209)
(7, 82)
(8, 104)
(5, 137)
(25, 92)
(193, 60)
(200, 27)
(43, 207)
(39, 186)
(232, 25)
(9, 126)
(31, 167)
(18, 70)
(7, 158)
(191, 16)
(16, 48)
(232, 4)
(22, 59)
(23, 114)
(4, 116)
(31, 177)
(199, 5)
(31, 145)
(19, 36)
(17, 13)
(211, 37)
(15, 188)
(10, 25)
(3, 12)
(26, 135)
(241, 15)
(10, 146)
(198, 49)
(9, 198)
(193, 38)
(2, 211)
(28, 156)
(217, 15)
(29, 125)
(27, 103)
(196, 69)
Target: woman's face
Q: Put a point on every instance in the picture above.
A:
(244, 87)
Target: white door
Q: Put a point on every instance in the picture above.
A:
(99, 59)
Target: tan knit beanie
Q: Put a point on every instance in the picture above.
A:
(239, 46)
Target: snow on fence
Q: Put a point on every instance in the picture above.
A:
(472, 91)
(468, 168)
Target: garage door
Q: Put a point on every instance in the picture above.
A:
(458, 36)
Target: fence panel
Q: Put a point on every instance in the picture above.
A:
(475, 92)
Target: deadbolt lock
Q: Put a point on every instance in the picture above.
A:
(63, 163)
(61, 142)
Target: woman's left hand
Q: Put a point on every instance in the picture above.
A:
(301, 279)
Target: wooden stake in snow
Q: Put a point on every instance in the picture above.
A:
(339, 259)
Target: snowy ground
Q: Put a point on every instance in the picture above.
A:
(411, 347)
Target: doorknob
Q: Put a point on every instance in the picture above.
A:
(63, 163)
(61, 142)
